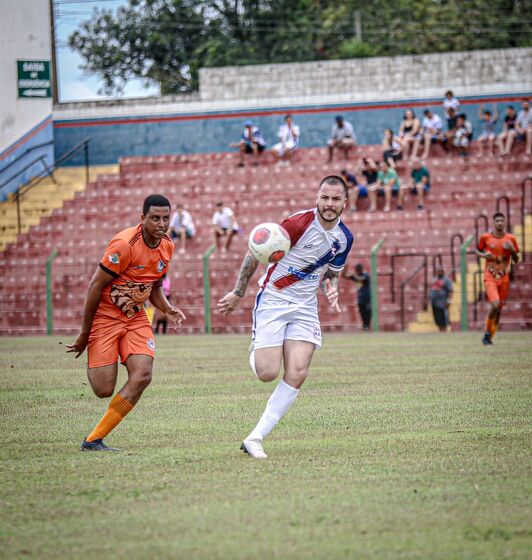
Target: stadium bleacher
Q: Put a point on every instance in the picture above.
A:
(79, 230)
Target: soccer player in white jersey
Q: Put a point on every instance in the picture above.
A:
(286, 326)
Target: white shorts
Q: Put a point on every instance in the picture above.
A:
(289, 146)
(275, 321)
(486, 136)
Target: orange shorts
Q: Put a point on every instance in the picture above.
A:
(110, 339)
(497, 290)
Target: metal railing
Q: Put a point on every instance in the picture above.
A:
(393, 258)
(527, 181)
(26, 187)
(41, 159)
(454, 267)
(24, 154)
(423, 266)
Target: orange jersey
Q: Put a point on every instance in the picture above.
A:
(497, 269)
(135, 267)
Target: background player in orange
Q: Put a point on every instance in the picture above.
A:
(114, 322)
(498, 248)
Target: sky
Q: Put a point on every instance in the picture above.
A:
(74, 83)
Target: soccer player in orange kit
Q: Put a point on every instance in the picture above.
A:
(498, 248)
(114, 322)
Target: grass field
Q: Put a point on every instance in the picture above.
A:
(399, 447)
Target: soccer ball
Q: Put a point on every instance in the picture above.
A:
(269, 243)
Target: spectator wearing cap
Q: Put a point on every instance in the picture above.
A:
(289, 141)
(224, 226)
(342, 137)
(251, 142)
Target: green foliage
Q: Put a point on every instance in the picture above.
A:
(167, 41)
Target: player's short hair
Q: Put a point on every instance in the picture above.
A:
(498, 215)
(154, 200)
(334, 180)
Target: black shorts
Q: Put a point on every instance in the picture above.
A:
(441, 316)
(249, 148)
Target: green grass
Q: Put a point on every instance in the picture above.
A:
(399, 447)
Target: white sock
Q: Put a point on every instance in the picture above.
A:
(278, 405)
(252, 362)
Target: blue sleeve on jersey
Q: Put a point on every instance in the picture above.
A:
(340, 258)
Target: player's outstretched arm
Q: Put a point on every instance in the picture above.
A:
(158, 300)
(97, 284)
(232, 299)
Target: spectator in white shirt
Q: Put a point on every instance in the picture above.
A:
(289, 142)
(182, 227)
(432, 131)
(450, 102)
(223, 226)
(342, 136)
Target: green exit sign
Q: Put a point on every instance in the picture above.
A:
(33, 78)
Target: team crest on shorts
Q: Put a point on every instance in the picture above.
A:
(151, 344)
(160, 266)
(317, 333)
(114, 258)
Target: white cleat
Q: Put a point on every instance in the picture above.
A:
(254, 448)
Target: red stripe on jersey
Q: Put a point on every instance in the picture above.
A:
(268, 276)
(297, 224)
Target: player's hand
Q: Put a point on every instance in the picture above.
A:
(175, 315)
(509, 247)
(79, 345)
(332, 295)
(228, 303)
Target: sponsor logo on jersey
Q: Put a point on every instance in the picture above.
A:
(151, 344)
(308, 246)
(302, 275)
(114, 258)
(160, 266)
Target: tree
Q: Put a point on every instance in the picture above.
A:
(167, 41)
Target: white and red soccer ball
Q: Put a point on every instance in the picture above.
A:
(269, 242)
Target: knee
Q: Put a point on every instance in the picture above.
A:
(103, 392)
(141, 379)
(296, 377)
(267, 375)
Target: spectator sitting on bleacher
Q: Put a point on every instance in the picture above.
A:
(251, 142)
(420, 184)
(342, 136)
(507, 135)
(354, 189)
(289, 141)
(487, 131)
(523, 126)
(431, 133)
(463, 134)
(450, 102)
(181, 227)
(451, 124)
(408, 130)
(370, 170)
(389, 184)
(223, 225)
(392, 148)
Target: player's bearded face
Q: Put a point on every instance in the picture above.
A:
(331, 202)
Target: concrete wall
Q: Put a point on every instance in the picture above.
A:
(24, 35)
(429, 75)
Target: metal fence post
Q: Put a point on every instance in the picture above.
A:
(207, 288)
(49, 294)
(464, 325)
(375, 285)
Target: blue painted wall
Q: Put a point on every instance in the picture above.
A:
(113, 138)
(23, 152)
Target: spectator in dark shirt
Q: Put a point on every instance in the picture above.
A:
(420, 184)
(370, 170)
(505, 138)
(354, 189)
(361, 277)
(408, 130)
(440, 298)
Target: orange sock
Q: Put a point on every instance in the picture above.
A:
(489, 325)
(494, 327)
(118, 408)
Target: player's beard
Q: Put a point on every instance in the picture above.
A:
(336, 215)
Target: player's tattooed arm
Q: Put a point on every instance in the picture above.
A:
(330, 288)
(333, 277)
(248, 268)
